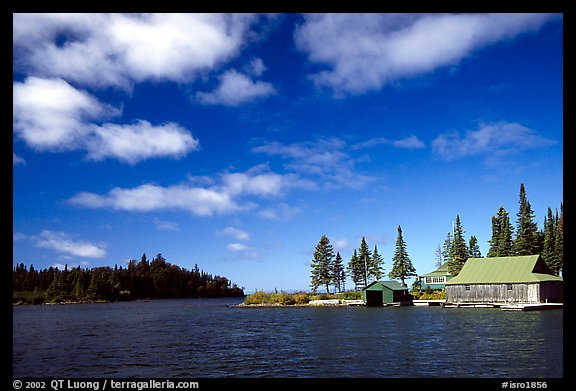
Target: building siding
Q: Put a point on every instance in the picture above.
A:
(494, 293)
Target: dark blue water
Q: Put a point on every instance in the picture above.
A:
(205, 338)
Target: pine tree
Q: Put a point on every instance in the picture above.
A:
(473, 248)
(322, 264)
(338, 275)
(365, 258)
(459, 252)
(527, 231)
(402, 267)
(375, 266)
(356, 270)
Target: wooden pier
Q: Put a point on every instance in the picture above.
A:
(508, 306)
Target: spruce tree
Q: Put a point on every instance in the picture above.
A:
(473, 248)
(501, 243)
(548, 250)
(557, 263)
(365, 258)
(375, 266)
(402, 267)
(338, 275)
(459, 252)
(526, 242)
(322, 264)
(355, 269)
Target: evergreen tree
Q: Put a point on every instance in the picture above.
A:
(322, 264)
(548, 250)
(527, 231)
(356, 270)
(338, 275)
(364, 257)
(375, 265)
(473, 248)
(459, 252)
(501, 243)
(447, 248)
(557, 263)
(402, 267)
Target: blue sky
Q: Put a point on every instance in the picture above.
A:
(237, 141)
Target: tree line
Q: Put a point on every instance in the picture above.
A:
(140, 280)
(366, 266)
(525, 239)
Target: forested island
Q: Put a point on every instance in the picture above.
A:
(156, 279)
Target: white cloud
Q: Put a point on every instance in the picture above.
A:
(16, 160)
(367, 51)
(410, 142)
(325, 160)
(281, 211)
(234, 233)
(237, 247)
(120, 49)
(141, 140)
(165, 225)
(223, 196)
(234, 89)
(64, 243)
(150, 197)
(492, 140)
(51, 115)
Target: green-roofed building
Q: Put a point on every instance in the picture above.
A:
(379, 293)
(436, 279)
(521, 279)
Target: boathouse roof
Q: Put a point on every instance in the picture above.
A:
(502, 270)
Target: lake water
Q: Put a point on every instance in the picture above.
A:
(205, 338)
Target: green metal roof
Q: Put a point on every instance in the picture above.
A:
(392, 285)
(521, 269)
(441, 271)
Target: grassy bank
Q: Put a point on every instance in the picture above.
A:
(298, 298)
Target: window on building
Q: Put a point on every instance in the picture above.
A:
(467, 287)
(509, 287)
(435, 280)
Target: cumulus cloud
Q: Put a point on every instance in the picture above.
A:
(236, 88)
(225, 195)
(121, 49)
(65, 243)
(51, 115)
(490, 140)
(364, 52)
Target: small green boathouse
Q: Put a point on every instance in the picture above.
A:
(379, 293)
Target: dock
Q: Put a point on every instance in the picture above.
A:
(429, 302)
(508, 306)
(532, 307)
